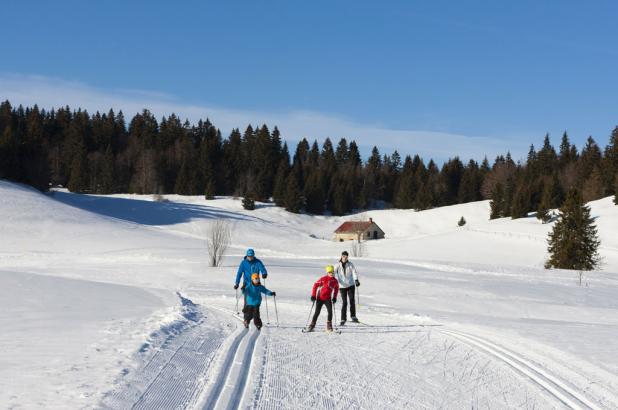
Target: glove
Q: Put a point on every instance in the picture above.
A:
(264, 275)
(274, 294)
(357, 283)
(236, 286)
(313, 298)
(334, 300)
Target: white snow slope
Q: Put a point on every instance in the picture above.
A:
(108, 302)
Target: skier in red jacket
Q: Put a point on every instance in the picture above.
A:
(324, 293)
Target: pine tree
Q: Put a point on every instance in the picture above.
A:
(556, 193)
(462, 221)
(183, 181)
(520, 205)
(542, 212)
(248, 203)
(209, 191)
(573, 243)
(497, 198)
(593, 187)
(9, 161)
(107, 173)
(314, 194)
(293, 195)
(611, 163)
(78, 180)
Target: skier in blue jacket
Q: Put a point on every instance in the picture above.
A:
(249, 265)
(253, 298)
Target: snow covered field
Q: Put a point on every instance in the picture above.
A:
(108, 302)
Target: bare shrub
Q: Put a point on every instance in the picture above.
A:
(358, 248)
(158, 198)
(218, 238)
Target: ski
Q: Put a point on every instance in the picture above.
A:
(305, 330)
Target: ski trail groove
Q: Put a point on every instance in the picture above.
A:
(227, 392)
(557, 388)
(241, 379)
(178, 357)
(218, 385)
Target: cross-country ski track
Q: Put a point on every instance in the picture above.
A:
(419, 365)
(552, 384)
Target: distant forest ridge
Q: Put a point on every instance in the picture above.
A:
(99, 154)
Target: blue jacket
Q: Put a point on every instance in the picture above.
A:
(246, 268)
(254, 294)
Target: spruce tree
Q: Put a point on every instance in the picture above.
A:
(78, 180)
(573, 243)
(497, 198)
(293, 195)
(281, 184)
(9, 161)
(209, 191)
(248, 203)
(314, 194)
(107, 173)
(611, 163)
(556, 192)
(542, 212)
(520, 205)
(183, 181)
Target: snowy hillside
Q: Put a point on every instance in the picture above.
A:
(108, 301)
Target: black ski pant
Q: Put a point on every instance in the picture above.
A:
(253, 312)
(345, 294)
(318, 307)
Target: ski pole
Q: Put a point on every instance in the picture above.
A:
(267, 317)
(334, 312)
(276, 311)
(310, 310)
(237, 312)
(357, 297)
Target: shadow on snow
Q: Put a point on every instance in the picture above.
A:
(146, 212)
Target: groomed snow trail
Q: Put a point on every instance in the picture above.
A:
(227, 390)
(175, 363)
(381, 365)
(206, 364)
(560, 389)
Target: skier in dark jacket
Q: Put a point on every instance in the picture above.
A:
(324, 293)
(253, 299)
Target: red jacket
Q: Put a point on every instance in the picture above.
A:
(329, 287)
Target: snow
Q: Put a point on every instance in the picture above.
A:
(109, 302)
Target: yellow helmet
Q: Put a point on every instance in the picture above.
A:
(330, 268)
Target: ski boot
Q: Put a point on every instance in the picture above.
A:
(355, 319)
(246, 323)
(311, 327)
(329, 326)
(342, 323)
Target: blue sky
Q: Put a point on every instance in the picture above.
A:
(439, 78)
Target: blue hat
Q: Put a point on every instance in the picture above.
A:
(250, 252)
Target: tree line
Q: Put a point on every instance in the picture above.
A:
(101, 154)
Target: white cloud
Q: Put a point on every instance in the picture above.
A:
(294, 125)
